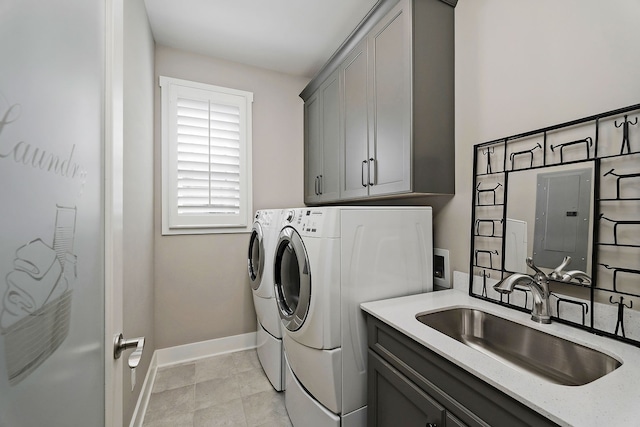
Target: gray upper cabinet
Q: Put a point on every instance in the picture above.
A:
(354, 148)
(396, 113)
(312, 149)
(389, 45)
(322, 140)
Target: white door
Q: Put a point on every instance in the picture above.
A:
(59, 212)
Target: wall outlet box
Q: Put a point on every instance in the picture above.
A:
(441, 279)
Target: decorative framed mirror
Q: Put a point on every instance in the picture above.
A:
(568, 197)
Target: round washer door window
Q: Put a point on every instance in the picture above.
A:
(292, 277)
(255, 259)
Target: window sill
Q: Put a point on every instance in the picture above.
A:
(199, 231)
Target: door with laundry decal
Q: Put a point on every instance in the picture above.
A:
(52, 74)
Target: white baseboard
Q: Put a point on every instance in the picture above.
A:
(184, 354)
(190, 352)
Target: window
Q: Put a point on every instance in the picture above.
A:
(206, 158)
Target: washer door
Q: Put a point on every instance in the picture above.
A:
(292, 276)
(255, 259)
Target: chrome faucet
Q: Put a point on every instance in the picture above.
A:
(539, 285)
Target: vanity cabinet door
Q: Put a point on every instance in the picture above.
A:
(390, 56)
(452, 421)
(396, 401)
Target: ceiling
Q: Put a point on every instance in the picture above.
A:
(291, 36)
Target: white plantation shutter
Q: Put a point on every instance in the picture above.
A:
(207, 158)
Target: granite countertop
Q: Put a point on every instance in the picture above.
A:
(610, 400)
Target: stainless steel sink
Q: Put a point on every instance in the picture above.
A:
(549, 357)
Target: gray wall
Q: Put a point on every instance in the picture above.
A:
(523, 65)
(138, 192)
(201, 285)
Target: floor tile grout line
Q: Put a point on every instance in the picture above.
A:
(194, 396)
(244, 412)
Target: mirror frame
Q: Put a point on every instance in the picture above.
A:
(553, 146)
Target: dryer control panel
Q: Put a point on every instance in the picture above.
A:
(267, 217)
(312, 222)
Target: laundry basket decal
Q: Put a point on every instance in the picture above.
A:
(36, 306)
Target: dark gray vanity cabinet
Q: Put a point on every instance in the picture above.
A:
(396, 129)
(410, 385)
(396, 401)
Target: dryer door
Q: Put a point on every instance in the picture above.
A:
(256, 256)
(292, 276)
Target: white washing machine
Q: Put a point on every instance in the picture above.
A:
(328, 261)
(262, 243)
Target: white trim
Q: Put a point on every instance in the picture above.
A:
(183, 354)
(200, 350)
(113, 206)
(164, 81)
(172, 223)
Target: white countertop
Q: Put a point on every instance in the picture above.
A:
(612, 400)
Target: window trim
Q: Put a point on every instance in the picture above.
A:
(201, 224)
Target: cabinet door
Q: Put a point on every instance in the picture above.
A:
(452, 421)
(322, 143)
(329, 177)
(354, 161)
(394, 401)
(312, 149)
(390, 91)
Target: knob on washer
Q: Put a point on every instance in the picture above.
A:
(290, 216)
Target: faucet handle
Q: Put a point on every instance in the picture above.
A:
(534, 268)
(582, 277)
(558, 271)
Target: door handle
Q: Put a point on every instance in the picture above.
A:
(372, 173)
(320, 185)
(120, 345)
(315, 186)
(364, 163)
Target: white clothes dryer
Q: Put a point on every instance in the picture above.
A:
(328, 261)
(260, 267)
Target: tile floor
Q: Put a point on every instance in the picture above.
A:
(225, 390)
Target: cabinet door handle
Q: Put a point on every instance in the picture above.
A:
(315, 187)
(364, 164)
(372, 171)
(320, 185)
